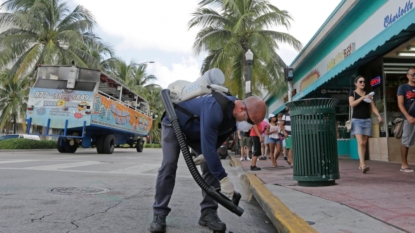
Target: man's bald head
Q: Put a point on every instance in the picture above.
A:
(256, 108)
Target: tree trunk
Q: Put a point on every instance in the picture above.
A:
(14, 125)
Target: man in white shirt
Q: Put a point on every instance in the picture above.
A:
(288, 140)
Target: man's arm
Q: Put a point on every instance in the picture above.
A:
(283, 129)
(209, 128)
(401, 106)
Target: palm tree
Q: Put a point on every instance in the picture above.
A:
(44, 32)
(132, 74)
(101, 51)
(152, 93)
(13, 99)
(140, 76)
(240, 25)
(120, 69)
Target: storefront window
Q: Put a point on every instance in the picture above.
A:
(395, 75)
(375, 83)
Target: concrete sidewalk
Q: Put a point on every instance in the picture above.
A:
(382, 200)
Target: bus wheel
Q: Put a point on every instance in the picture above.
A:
(109, 143)
(100, 144)
(71, 146)
(139, 145)
(61, 145)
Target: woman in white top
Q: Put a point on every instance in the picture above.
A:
(273, 131)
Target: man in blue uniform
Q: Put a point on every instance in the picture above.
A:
(205, 134)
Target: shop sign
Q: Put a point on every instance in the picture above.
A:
(341, 56)
(389, 19)
(375, 81)
(334, 91)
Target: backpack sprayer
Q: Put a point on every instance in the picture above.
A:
(180, 91)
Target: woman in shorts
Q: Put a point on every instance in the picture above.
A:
(361, 120)
(273, 131)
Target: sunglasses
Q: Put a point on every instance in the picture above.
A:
(412, 75)
(361, 81)
(249, 119)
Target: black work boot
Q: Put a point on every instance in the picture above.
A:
(159, 224)
(210, 219)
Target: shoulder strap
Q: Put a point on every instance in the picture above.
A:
(222, 100)
(185, 111)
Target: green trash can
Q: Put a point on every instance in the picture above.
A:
(313, 129)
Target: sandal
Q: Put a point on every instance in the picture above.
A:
(407, 169)
(364, 169)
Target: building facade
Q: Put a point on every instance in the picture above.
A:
(375, 39)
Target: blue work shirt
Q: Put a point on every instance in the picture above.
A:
(208, 131)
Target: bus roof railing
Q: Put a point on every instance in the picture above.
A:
(116, 79)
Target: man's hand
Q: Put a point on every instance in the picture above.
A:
(226, 187)
(199, 159)
(411, 120)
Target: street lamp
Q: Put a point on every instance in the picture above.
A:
(249, 56)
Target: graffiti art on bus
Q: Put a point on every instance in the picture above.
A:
(113, 113)
(59, 105)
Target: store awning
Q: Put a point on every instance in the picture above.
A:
(370, 49)
(278, 110)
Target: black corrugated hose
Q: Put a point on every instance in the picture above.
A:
(231, 205)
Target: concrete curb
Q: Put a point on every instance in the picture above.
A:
(280, 215)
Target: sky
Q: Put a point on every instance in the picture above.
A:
(157, 30)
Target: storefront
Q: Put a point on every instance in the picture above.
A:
(375, 39)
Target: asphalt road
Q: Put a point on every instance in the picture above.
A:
(45, 191)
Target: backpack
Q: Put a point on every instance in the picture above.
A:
(220, 98)
(209, 83)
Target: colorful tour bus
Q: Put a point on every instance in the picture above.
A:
(89, 108)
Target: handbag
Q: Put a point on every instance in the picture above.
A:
(398, 125)
(349, 122)
(398, 128)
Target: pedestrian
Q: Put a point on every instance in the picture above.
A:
(361, 121)
(286, 122)
(257, 139)
(204, 134)
(274, 139)
(406, 100)
(282, 135)
(264, 143)
(245, 143)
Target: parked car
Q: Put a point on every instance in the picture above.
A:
(11, 136)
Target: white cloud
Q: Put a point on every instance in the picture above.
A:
(155, 24)
(188, 69)
(159, 28)
(308, 16)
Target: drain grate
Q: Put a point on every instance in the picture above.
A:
(79, 190)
